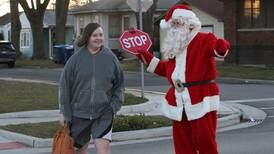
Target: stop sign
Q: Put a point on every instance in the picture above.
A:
(134, 40)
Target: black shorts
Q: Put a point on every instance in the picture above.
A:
(81, 129)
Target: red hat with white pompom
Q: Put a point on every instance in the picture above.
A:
(177, 10)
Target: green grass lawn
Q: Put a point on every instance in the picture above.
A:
(19, 96)
(121, 123)
(245, 72)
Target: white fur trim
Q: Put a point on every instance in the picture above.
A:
(183, 13)
(153, 64)
(180, 65)
(220, 56)
(209, 103)
(164, 24)
(172, 112)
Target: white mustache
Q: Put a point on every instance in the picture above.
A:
(176, 40)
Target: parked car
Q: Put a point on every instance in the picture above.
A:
(7, 53)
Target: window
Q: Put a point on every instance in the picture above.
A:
(25, 39)
(257, 14)
(115, 26)
(81, 25)
(207, 28)
(95, 18)
(126, 22)
(9, 35)
(81, 22)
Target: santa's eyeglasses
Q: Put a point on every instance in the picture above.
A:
(177, 23)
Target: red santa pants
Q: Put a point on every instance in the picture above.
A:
(196, 136)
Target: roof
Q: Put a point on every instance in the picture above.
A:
(212, 7)
(5, 19)
(49, 18)
(116, 5)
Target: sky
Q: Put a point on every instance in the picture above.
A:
(4, 7)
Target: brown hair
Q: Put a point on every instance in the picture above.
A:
(89, 29)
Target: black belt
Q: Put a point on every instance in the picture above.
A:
(180, 86)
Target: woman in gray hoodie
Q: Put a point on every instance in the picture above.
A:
(91, 91)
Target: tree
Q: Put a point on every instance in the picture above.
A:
(61, 19)
(15, 26)
(35, 15)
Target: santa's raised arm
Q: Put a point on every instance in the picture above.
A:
(190, 68)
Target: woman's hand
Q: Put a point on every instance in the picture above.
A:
(61, 119)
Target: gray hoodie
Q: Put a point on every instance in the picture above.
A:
(91, 84)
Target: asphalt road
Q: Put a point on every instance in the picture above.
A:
(253, 140)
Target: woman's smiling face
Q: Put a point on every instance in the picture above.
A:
(96, 39)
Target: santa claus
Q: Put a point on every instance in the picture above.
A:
(193, 97)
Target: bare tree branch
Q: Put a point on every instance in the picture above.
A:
(32, 4)
(45, 4)
(25, 6)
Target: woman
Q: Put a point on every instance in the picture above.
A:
(91, 91)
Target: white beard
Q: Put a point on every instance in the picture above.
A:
(176, 40)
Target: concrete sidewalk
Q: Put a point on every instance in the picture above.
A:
(230, 115)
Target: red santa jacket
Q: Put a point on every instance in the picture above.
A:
(195, 63)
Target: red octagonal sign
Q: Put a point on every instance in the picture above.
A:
(134, 40)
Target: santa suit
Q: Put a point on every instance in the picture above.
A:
(192, 108)
(197, 103)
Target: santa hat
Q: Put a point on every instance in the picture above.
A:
(178, 10)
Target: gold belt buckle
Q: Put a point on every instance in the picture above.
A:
(179, 86)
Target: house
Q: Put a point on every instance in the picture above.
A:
(26, 42)
(249, 26)
(116, 16)
(4, 25)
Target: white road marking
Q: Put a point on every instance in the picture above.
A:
(267, 108)
(249, 100)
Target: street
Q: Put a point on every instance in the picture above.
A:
(252, 140)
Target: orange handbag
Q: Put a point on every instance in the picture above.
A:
(62, 142)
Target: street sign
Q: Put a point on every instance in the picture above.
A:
(134, 40)
(145, 5)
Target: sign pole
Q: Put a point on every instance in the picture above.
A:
(142, 65)
(137, 6)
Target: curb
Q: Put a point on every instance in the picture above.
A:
(35, 142)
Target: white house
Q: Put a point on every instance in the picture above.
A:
(26, 41)
(4, 25)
